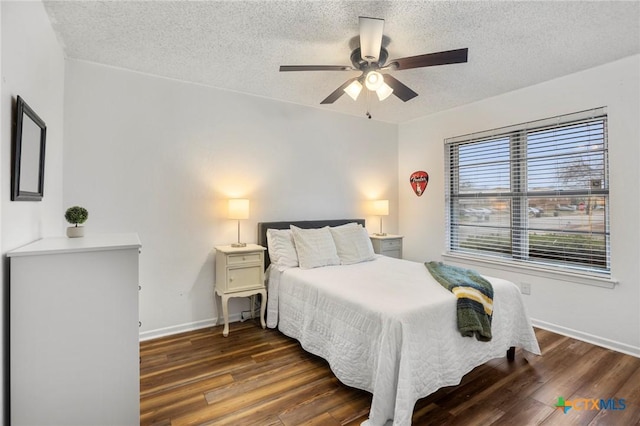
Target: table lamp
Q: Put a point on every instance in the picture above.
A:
(238, 209)
(381, 208)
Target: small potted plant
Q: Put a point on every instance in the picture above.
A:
(76, 215)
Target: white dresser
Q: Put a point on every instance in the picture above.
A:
(74, 346)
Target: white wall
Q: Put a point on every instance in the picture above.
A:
(32, 67)
(3, 306)
(606, 316)
(160, 157)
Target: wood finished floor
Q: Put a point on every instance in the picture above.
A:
(261, 377)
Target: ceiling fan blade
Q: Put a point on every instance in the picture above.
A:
(431, 59)
(399, 89)
(370, 38)
(338, 92)
(316, 68)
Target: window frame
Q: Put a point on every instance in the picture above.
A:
(519, 195)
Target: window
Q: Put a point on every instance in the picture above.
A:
(536, 193)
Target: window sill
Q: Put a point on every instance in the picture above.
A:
(535, 270)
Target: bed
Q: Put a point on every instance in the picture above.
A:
(385, 325)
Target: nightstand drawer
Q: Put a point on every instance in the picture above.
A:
(391, 244)
(240, 259)
(392, 253)
(387, 245)
(244, 278)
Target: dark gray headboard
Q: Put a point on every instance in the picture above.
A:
(306, 224)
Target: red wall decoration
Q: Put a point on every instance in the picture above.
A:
(419, 181)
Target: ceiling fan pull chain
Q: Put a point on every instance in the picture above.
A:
(368, 114)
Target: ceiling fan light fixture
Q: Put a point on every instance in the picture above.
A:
(384, 91)
(373, 81)
(353, 89)
(370, 38)
(370, 57)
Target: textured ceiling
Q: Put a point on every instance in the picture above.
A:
(239, 45)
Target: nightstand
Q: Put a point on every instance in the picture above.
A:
(240, 273)
(387, 245)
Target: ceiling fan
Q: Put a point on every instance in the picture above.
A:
(370, 58)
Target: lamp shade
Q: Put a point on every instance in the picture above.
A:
(373, 80)
(238, 208)
(384, 91)
(353, 89)
(381, 207)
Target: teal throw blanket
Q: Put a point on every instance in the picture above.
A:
(475, 298)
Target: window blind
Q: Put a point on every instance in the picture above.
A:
(535, 192)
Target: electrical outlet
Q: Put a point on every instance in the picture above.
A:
(525, 288)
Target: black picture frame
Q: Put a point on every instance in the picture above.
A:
(27, 183)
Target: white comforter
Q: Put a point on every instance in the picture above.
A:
(388, 327)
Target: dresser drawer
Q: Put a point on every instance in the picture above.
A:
(241, 259)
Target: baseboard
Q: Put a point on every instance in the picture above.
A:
(589, 338)
(181, 328)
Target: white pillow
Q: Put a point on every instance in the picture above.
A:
(315, 247)
(352, 243)
(282, 250)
